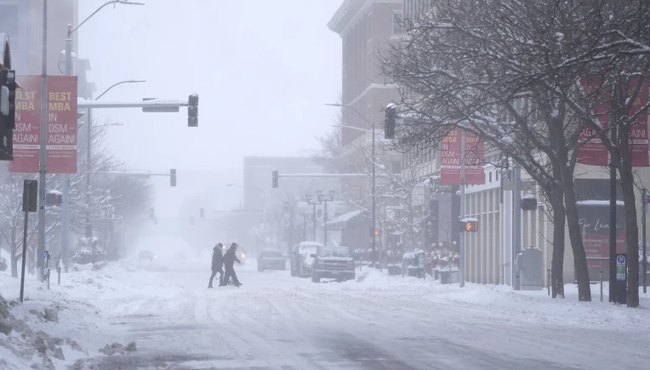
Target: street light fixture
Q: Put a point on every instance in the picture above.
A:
(373, 192)
(321, 198)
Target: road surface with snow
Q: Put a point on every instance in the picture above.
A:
(275, 321)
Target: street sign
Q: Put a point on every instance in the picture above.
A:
(620, 267)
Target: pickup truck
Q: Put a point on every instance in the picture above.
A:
(332, 263)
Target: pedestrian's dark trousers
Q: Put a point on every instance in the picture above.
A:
(230, 273)
(214, 273)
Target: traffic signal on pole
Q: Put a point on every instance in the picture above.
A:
(53, 198)
(193, 111)
(389, 122)
(374, 232)
(7, 112)
(172, 177)
(276, 176)
(30, 195)
(469, 226)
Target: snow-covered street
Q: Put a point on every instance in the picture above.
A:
(275, 321)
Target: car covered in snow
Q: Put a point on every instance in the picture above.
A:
(271, 259)
(146, 256)
(301, 258)
(332, 262)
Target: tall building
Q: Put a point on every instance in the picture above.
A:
(366, 28)
(23, 21)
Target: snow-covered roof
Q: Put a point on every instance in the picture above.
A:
(346, 217)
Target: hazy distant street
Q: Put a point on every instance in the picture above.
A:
(278, 322)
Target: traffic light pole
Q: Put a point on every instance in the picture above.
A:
(42, 156)
(516, 224)
(461, 244)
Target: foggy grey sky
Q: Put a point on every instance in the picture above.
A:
(263, 69)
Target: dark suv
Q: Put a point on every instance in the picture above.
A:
(332, 263)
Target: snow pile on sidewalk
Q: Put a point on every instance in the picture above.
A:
(502, 303)
(34, 334)
(22, 346)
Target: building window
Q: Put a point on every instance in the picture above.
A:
(398, 23)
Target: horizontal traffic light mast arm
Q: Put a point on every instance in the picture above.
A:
(329, 175)
(130, 173)
(154, 103)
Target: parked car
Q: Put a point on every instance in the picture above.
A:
(332, 263)
(271, 259)
(301, 252)
(146, 255)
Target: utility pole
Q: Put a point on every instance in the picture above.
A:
(612, 220)
(374, 200)
(42, 156)
(644, 220)
(516, 224)
(65, 187)
(461, 246)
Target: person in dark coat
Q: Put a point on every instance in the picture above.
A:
(228, 262)
(217, 263)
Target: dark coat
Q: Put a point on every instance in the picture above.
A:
(230, 257)
(217, 259)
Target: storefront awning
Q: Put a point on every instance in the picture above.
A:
(345, 217)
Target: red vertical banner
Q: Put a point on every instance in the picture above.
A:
(638, 138)
(451, 156)
(591, 150)
(61, 125)
(474, 157)
(26, 133)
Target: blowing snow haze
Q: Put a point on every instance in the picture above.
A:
(263, 71)
(287, 185)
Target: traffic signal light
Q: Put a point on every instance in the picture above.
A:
(30, 195)
(53, 198)
(276, 176)
(202, 213)
(374, 232)
(389, 123)
(469, 225)
(7, 113)
(193, 111)
(172, 177)
(528, 203)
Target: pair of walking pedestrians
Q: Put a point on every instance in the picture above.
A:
(221, 262)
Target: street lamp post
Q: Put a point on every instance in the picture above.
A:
(89, 141)
(313, 202)
(321, 198)
(373, 191)
(65, 201)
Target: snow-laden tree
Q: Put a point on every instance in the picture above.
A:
(12, 218)
(126, 197)
(512, 71)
